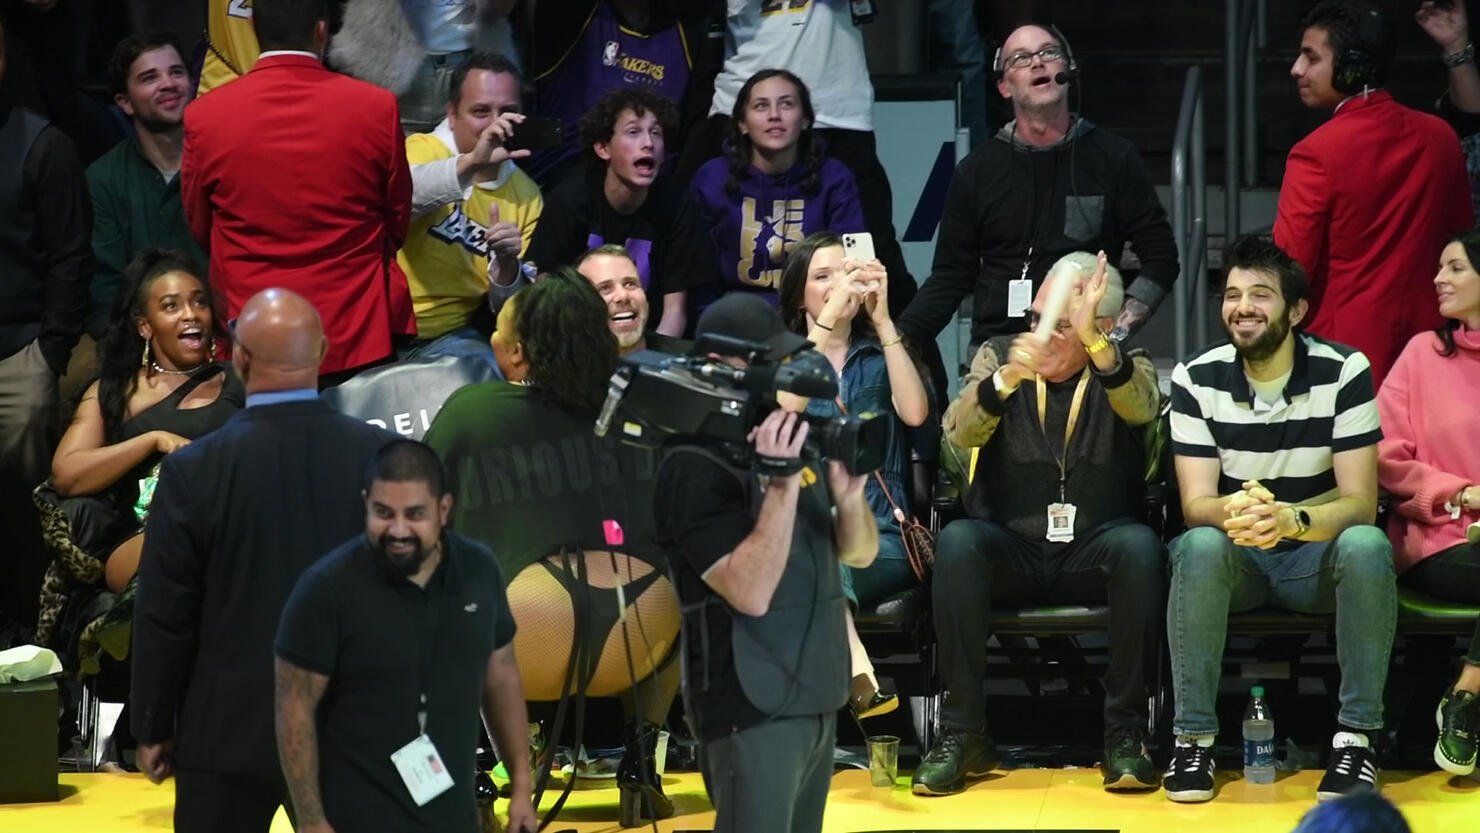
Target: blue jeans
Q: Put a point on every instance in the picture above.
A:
(464, 341)
(1351, 576)
(889, 574)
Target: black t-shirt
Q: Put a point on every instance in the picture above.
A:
(348, 620)
(665, 236)
(528, 476)
(703, 513)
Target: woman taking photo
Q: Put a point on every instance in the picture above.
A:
(774, 185)
(822, 296)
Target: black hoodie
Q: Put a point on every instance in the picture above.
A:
(1089, 191)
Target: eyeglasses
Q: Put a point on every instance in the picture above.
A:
(1019, 60)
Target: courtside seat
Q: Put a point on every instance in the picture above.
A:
(1423, 615)
(405, 397)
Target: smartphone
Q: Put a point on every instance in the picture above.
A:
(859, 246)
(536, 134)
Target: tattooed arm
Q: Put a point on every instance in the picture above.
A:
(298, 693)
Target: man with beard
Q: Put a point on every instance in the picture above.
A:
(1047, 184)
(611, 269)
(1060, 417)
(405, 628)
(136, 186)
(236, 518)
(1275, 439)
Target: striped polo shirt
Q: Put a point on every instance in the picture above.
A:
(1328, 406)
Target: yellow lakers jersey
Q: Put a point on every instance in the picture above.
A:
(231, 46)
(445, 256)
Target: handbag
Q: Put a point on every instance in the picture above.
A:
(919, 541)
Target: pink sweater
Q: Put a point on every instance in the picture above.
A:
(1430, 448)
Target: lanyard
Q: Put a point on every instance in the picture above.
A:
(1062, 457)
(427, 643)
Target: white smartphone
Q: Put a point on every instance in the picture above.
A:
(859, 246)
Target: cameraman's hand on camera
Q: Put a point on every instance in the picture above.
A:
(844, 486)
(779, 437)
(1449, 27)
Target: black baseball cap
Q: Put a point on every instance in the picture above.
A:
(749, 318)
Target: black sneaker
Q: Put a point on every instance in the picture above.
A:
(1189, 776)
(1459, 724)
(957, 756)
(1127, 765)
(1353, 768)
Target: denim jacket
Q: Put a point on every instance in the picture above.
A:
(864, 386)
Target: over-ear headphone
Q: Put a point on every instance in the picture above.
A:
(1356, 65)
(1071, 67)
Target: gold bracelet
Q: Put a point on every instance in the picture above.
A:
(1464, 497)
(893, 341)
(1098, 344)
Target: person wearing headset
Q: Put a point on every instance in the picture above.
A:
(1367, 241)
(1049, 182)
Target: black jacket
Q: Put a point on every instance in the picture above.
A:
(1088, 192)
(237, 517)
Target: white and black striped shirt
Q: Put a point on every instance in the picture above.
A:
(1328, 406)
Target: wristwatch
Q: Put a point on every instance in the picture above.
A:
(1460, 57)
(1302, 521)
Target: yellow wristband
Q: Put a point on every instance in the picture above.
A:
(1098, 344)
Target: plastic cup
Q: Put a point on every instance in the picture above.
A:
(883, 760)
(660, 754)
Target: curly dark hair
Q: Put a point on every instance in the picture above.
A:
(1259, 254)
(600, 122)
(794, 285)
(740, 149)
(1470, 240)
(568, 343)
(121, 345)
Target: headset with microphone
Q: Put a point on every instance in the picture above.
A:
(1356, 67)
(1063, 77)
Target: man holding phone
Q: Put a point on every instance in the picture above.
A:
(473, 210)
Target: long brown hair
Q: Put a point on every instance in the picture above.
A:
(794, 284)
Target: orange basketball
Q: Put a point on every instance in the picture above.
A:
(543, 598)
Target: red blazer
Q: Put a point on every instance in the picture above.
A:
(1368, 201)
(296, 177)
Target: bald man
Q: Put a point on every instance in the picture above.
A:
(237, 516)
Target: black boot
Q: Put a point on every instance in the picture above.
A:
(637, 778)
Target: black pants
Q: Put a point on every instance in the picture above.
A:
(218, 802)
(1452, 575)
(857, 151)
(978, 563)
(771, 777)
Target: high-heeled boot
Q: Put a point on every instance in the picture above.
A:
(641, 789)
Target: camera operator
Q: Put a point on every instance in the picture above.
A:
(754, 560)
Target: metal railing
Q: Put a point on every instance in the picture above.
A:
(1244, 35)
(1190, 212)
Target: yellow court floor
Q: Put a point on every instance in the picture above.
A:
(1024, 799)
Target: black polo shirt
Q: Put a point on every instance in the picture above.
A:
(348, 620)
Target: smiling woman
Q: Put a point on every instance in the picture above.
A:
(159, 388)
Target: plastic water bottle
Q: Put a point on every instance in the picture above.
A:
(1258, 739)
